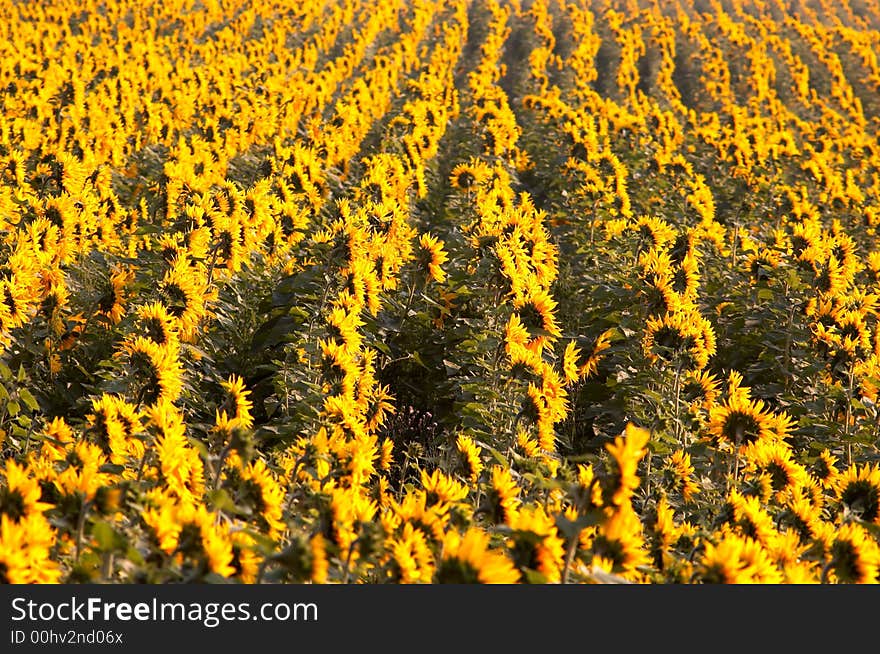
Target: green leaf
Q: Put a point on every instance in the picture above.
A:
(107, 538)
(26, 397)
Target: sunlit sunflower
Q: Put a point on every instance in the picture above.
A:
(502, 496)
(20, 493)
(237, 402)
(180, 467)
(747, 516)
(111, 424)
(468, 559)
(184, 296)
(535, 543)
(759, 559)
(776, 459)
(619, 544)
(825, 469)
(14, 563)
(265, 493)
(858, 489)
(536, 312)
(155, 373)
(684, 337)
(700, 389)
(432, 256)
(344, 326)
(725, 562)
(854, 556)
(411, 555)
(740, 421)
(465, 176)
(158, 325)
(802, 516)
(111, 303)
(471, 453)
(626, 451)
(443, 489)
(681, 476)
(653, 232)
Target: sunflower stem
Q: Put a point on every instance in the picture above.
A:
(107, 565)
(848, 419)
(80, 528)
(677, 395)
(220, 459)
(569, 557)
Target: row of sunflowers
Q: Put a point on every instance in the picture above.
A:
(440, 291)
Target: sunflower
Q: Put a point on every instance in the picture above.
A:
(339, 369)
(431, 517)
(654, 232)
(467, 559)
(14, 549)
(155, 374)
(26, 551)
(246, 558)
(759, 560)
(502, 496)
(858, 490)
(111, 425)
(664, 530)
(684, 336)
(700, 389)
(237, 401)
(681, 475)
(82, 477)
(264, 491)
(535, 310)
(184, 296)
(740, 421)
(775, 458)
(570, 358)
(725, 562)
(344, 326)
(443, 489)
(180, 467)
(465, 176)
(111, 304)
(472, 455)
(20, 493)
(760, 263)
(626, 451)
(825, 469)
(535, 544)
(432, 257)
(830, 277)
(619, 545)
(351, 508)
(193, 531)
(523, 358)
(591, 365)
(801, 515)
(854, 556)
(748, 517)
(158, 325)
(411, 556)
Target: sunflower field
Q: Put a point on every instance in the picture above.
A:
(440, 291)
